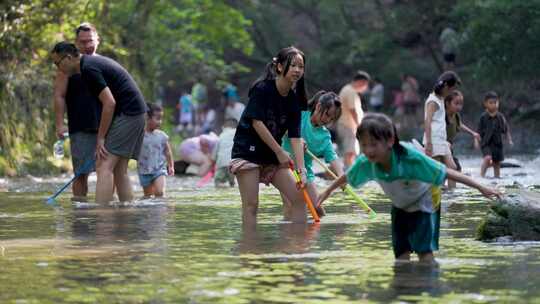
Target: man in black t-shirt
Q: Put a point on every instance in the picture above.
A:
(121, 128)
(83, 110)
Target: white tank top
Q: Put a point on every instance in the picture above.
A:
(438, 122)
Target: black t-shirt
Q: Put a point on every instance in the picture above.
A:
(83, 109)
(278, 113)
(99, 72)
(491, 129)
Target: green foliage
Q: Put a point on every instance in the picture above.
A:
(161, 43)
(501, 38)
(168, 45)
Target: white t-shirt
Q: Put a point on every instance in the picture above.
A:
(152, 156)
(222, 152)
(350, 100)
(235, 111)
(438, 122)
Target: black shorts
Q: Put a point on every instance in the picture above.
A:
(450, 57)
(496, 152)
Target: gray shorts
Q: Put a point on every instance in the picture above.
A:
(125, 136)
(83, 150)
(346, 139)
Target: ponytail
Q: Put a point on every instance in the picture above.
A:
(448, 78)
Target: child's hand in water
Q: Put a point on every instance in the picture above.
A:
(320, 211)
(490, 192)
(323, 197)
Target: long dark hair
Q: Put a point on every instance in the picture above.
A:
(448, 78)
(327, 100)
(284, 57)
(380, 127)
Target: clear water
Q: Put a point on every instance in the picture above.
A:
(190, 248)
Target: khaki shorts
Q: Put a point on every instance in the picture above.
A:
(266, 171)
(346, 139)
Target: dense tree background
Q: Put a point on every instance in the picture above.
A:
(168, 45)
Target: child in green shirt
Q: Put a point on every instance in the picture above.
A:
(411, 179)
(323, 109)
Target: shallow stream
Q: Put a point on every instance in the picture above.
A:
(190, 248)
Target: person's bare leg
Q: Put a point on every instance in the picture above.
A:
(248, 184)
(122, 181)
(287, 207)
(284, 181)
(449, 162)
(312, 191)
(497, 169)
(486, 161)
(148, 191)
(159, 186)
(427, 258)
(105, 179)
(406, 256)
(80, 187)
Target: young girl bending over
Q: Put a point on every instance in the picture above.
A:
(323, 109)
(155, 160)
(411, 180)
(435, 141)
(274, 108)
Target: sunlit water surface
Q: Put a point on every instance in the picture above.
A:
(190, 248)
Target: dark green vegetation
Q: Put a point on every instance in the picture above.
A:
(167, 45)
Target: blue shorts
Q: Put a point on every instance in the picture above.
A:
(147, 179)
(415, 231)
(83, 150)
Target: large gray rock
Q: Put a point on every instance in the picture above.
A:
(516, 215)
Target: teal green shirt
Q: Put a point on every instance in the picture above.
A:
(409, 182)
(318, 141)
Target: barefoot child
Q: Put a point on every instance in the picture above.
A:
(323, 109)
(435, 141)
(491, 128)
(273, 108)
(410, 179)
(453, 104)
(155, 159)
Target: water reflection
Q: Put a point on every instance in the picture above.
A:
(292, 238)
(415, 278)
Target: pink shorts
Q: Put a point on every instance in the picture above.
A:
(266, 172)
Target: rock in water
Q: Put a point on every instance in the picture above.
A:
(516, 215)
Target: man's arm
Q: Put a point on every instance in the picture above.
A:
(107, 113)
(60, 89)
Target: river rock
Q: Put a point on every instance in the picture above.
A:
(516, 215)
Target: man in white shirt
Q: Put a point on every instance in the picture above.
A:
(351, 116)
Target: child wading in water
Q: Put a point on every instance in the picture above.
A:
(323, 109)
(491, 128)
(435, 141)
(453, 104)
(274, 108)
(155, 160)
(411, 180)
